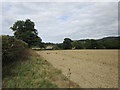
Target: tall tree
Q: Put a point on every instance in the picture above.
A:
(67, 43)
(25, 30)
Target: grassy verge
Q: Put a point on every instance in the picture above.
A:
(34, 73)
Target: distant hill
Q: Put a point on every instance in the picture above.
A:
(107, 42)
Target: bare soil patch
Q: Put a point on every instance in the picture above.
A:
(88, 68)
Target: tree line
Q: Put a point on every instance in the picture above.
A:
(25, 30)
(105, 43)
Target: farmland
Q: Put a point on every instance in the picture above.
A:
(88, 68)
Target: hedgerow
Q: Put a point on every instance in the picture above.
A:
(12, 49)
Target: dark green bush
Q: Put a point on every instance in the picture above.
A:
(12, 49)
(58, 47)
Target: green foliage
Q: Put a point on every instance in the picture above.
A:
(67, 43)
(111, 43)
(12, 49)
(24, 30)
(91, 44)
(34, 73)
(55, 47)
(105, 43)
(43, 45)
(26, 74)
(77, 45)
(58, 47)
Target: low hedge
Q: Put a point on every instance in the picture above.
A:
(12, 49)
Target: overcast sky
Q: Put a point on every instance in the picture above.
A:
(56, 21)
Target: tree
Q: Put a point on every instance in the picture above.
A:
(25, 30)
(77, 45)
(58, 46)
(94, 44)
(67, 43)
(111, 43)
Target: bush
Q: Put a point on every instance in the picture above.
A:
(58, 47)
(12, 49)
(77, 45)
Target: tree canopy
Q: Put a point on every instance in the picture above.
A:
(67, 43)
(25, 30)
(77, 45)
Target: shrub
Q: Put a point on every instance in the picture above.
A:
(77, 45)
(58, 47)
(12, 49)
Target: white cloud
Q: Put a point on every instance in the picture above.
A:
(54, 21)
(60, 0)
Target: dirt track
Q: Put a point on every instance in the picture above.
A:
(89, 68)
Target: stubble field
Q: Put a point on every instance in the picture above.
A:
(88, 68)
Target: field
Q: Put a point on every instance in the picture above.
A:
(34, 72)
(88, 68)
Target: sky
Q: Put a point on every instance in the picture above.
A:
(58, 20)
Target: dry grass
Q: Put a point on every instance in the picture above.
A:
(35, 72)
(89, 68)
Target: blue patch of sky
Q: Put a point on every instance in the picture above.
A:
(64, 18)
